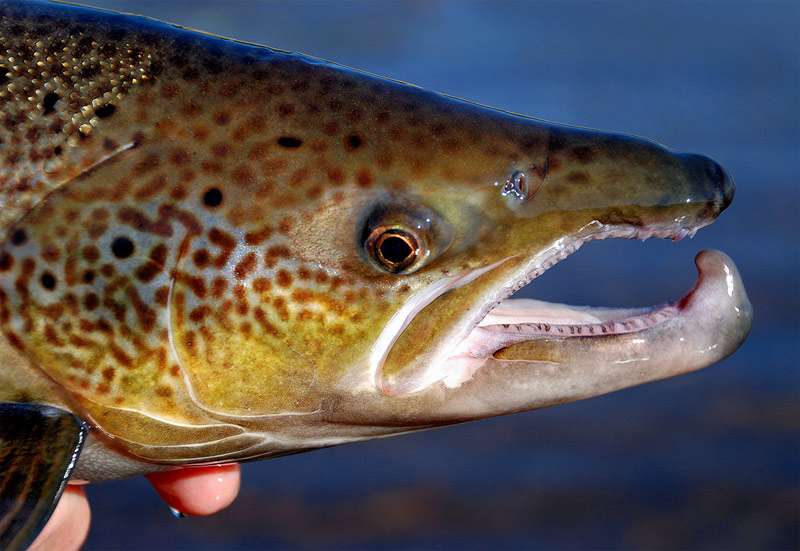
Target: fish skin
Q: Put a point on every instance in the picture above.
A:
(183, 262)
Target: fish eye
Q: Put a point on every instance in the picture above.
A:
(395, 250)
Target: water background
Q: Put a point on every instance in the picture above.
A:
(705, 461)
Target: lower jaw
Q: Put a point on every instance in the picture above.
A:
(515, 321)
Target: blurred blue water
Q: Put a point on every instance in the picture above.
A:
(706, 461)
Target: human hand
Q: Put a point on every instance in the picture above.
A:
(195, 491)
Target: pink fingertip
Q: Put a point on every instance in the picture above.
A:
(198, 490)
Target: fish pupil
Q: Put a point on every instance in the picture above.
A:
(395, 249)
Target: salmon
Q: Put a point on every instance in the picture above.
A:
(217, 251)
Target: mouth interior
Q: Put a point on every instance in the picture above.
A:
(548, 318)
(514, 320)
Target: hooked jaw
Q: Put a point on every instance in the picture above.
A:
(531, 354)
(514, 354)
(527, 354)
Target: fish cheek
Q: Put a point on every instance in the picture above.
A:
(257, 330)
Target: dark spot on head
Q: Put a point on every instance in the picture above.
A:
(115, 35)
(201, 258)
(91, 301)
(531, 142)
(285, 109)
(191, 73)
(222, 118)
(89, 71)
(137, 138)
(122, 247)
(212, 66)
(556, 143)
(353, 141)
(19, 237)
(91, 254)
(289, 141)
(88, 276)
(156, 69)
(578, 177)
(84, 46)
(6, 262)
(283, 278)
(220, 149)
(48, 281)
(364, 178)
(212, 197)
(49, 102)
(583, 154)
(105, 111)
(57, 150)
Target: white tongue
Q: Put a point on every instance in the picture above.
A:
(526, 310)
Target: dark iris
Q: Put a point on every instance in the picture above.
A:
(122, 247)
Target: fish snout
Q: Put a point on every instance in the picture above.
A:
(715, 178)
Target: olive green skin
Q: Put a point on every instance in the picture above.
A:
(249, 327)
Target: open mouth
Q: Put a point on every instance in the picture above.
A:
(518, 344)
(512, 321)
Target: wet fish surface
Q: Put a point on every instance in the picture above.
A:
(217, 251)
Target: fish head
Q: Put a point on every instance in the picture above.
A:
(253, 252)
(415, 255)
(481, 237)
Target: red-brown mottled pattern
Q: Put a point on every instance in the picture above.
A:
(162, 299)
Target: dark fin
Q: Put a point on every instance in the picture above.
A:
(39, 446)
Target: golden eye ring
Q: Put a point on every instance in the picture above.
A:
(394, 249)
